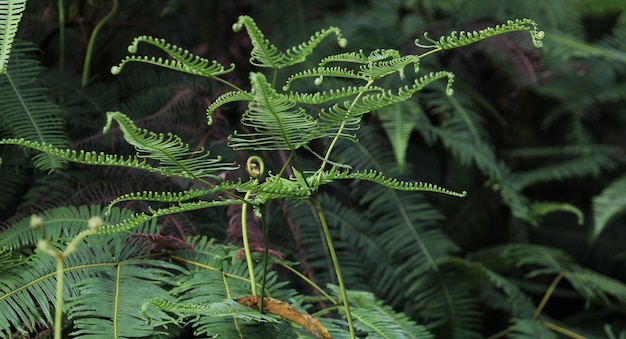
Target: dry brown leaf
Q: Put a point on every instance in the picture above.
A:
(285, 310)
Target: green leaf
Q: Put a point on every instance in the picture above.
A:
(610, 203)
(10, 17)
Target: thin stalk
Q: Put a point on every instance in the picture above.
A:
(58, 312)
(339, 131)
(61, 12)
(333, 256)
(92, 41)
(265, 259)
(246, 242)
(547, 295)
(255, 167)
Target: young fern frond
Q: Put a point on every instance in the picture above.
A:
(350, 57)
(337, 114)
(331, 95)
(223, 99)
(391, 183)
(265, 54)
(10, 17)
(177, 197)
(277, 123)
(320, 72)
(541, 208)
(171, 153)
(140, 218)
(93, 158)
(380, 69)
(183, 60)
(459, 39)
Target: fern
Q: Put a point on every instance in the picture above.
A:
(265, 54)
(183, 60)
(610, 203)
(27, 112)
(10, 16)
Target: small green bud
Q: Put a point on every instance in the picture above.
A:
(36, 221)
(95, 223)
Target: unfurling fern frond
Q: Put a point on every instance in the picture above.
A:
(392, 183)
(333, 94)
(183, 60)
(276, 123)
(320, 72)
(10, 17)
(459, 39)
(171, 153)
(223, 99)
(265, 54)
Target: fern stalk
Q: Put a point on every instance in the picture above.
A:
(333, 256)
(61, 10)
(92, 41)
(255, 168)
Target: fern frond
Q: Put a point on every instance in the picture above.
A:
(540, 208)
(459, 39)
(226, 308)
(223, 99)
(399, 121)
(92, 157)
(391, 183)
(265, 54)
(349, 57)
(590, 165)
(110, 304)
(171, 153)
(380, 69)
(333, 94)
(610, 203)
(63, 224)
(381, 321)
(321, 72)
(26, 111)
(277, 124)
(183, 60)
(337, 114)
(140, 218)
(10, 16)
(27, 290)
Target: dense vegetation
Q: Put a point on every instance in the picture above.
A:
(467, 187)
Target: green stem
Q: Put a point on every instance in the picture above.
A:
(339, 131)
(335, 260)
(92, 41)
(58, 312)
(265, 259)
(61, 13)
(246, 242)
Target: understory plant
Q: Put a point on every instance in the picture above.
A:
(117, 269)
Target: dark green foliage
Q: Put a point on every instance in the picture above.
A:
(354, 137)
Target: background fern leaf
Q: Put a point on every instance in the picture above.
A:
(26, 111)
(10, 17)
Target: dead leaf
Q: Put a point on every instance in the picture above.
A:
(285, 310)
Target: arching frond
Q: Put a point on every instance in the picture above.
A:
(349, 57)
(63, 224)
(276, 123)
(183, 60)
(265, 54)
(459, 39)
(331, 95)
(541, 208)
(391, 183)
(140, 218)
(26, 110)
(10, 17)
(169, 150)
(224, 99)
(320, 72)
